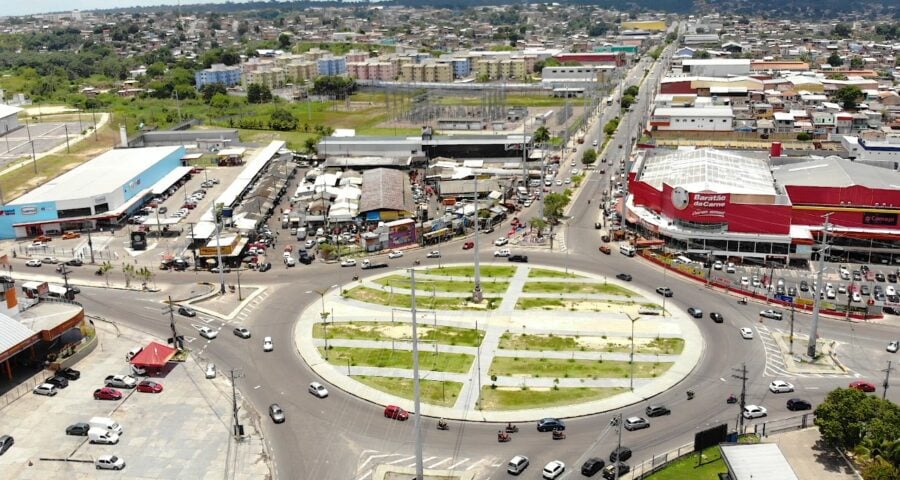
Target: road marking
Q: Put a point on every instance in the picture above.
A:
(451, 467)
(365, 476)
(404, 459)
(435, 465)
(474, 464)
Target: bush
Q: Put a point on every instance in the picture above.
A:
(804, 137)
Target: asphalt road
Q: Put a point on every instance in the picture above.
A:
(327, 438)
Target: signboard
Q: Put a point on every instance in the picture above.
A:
(43, 289)
(785, 298)
(699, 206)
(28, 210)
(881, 219)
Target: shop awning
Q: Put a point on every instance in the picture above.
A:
(154, 355)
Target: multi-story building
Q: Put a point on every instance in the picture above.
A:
(501, 68)
(218, 73)
(272, 77)
(372, 70)
(441, 72)
(332, 66)
(301, 71)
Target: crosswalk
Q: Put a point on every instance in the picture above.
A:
(370, 459)
(775, 366)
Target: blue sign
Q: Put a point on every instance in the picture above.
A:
(785, 298)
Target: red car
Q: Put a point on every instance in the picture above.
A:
(604, 249)
(395, 412)
(863, 386)
(149, 386)
(468, 245)
(107, 393)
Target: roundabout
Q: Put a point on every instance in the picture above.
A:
(544, 342)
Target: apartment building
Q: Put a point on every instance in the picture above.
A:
(372, 70)
(218, 73)
(501, 68)
(441, 72)
(332, 66)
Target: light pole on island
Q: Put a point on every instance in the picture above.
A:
(323, 314)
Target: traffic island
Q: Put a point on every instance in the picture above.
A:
(825, 362)
(393, 472)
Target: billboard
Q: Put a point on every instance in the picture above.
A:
(699, 206)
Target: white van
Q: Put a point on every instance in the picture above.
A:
(98, 435)
(301, 233)
(627, 250)
(107, 424)
(132, 353)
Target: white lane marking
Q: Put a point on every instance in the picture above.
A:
(371, 457)
(451, 467)
(404, 459)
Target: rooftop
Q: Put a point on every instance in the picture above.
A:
(762, 460)
(836, 172)
(99, 176)
(694, 111)
(708, 169)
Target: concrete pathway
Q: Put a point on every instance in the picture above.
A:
(516, 284)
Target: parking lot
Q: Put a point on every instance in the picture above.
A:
(182, 432)
(17, 144)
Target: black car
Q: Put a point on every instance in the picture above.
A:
(657, 410)
(7, 279)
(864, 290)
(804, 286)
(69, 373)
(716, 317)
(879, 277)
(892, 277)
(6, 441)
(307, 259)
(518, 258)
(187, 311)
(624, 277)
(57, 380)
(620, 454)
(592, 466)
(610, 471)
(864, 269)
(798, 404)
(857, 276)
(265, 266)
(78, 429)
(75, 262)
(550, 424)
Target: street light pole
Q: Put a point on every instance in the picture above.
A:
(477, 294)
(420, 467)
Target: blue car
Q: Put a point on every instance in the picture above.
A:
(550, 424)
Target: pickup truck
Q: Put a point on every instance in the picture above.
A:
(368, 265)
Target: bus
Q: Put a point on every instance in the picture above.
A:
(36, 289)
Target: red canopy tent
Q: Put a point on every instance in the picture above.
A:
(154, 355)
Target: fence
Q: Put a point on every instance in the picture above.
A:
(22, 389)
(83, 253)
(792, 423)
(644, 469)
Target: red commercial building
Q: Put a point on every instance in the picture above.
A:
(613, 58)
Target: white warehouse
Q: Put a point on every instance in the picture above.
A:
(709, 119)
(716, 67)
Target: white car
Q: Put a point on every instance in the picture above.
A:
(207, 332)
(34, 262)
(211, 370)
(559, 182)
(893, 346)
(830, 293)
(318, 390)
(754, 411)
(109, 462)
(121, 381)
(745, 281)
(780, 386)
(50, 260)
(890, 291)
(267, 344)
(502, 253)
(45, 389)
(746, 333)
(717, 265)
(730, 268)
(856, 297)
(395, 254)
(568, 181)
(433, 254)
(348, 263)
(501, 241)
(773, 314)
(553, 470)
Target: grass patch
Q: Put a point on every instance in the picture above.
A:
(553, 367)
(545, 273)
(432, 391)
(371, 295)
(592, 288)
(487, 271)
(667, 346)
(518, 399)
(387, 331)
(401, 281)
(387, 358)
(389, 131)
(512, 100)
(710, 466)
(515, 341)
(546, 303)
(295, 140)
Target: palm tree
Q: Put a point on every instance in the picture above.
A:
(541, 135)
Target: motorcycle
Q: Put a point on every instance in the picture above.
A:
(690, 394)
(503, 437)
(510, 428)
(442, 425)
(417, 262)
(98, 272)
(355, 278)
(731, 399)
(559, 435)
(742, 301)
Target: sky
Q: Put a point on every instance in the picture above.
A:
(27, 7)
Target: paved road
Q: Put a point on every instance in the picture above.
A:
(344, 437)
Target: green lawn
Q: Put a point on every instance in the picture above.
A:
(371, 295)
(453, 286)
(387, 358)
(518, 399)
(564, 343)
(590, 288)
(515, 341)
(711, 464)
(512, 100)
(545, 273)
(432, 391)
(551, 367)
(545, 303)
(487, 271)
(387, 331)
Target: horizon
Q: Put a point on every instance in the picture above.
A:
(37, 7)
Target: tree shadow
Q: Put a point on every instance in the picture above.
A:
(829, 458)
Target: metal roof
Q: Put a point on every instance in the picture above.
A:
(707, 169)
(12, 333)
(836, 172)
(386, 189)
(694, 112)
(7, 110)
(755, 461)
(100, 176)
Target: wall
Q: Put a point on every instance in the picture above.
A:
(148, 177)
(24, 213)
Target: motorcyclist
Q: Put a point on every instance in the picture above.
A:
(442, 423)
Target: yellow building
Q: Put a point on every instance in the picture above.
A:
(652, 25)
(503, 68)
(426, 72)
(299, 72)
(270, 77)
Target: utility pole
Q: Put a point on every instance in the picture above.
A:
(887, 378)
(65, 274)
(743, 379)
(238, 428)
(813, 331)
(420, 467)
(477, 294)
(178, 343)
(617, 422)
(631, 358)
(792, 328)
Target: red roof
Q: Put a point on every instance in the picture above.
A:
(154, 355)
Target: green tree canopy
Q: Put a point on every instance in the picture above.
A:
(632, 90)
(835, 60)
(848, 96)
(848, 417)
(541, 135)
(555, 204)
(282, 120)
(589, 157)
(257, 93)
(842, 30)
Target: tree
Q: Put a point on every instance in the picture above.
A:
(804, 137)
(849, 418)
(702, 54)
(842, 30)
(589, 156)
(856, 63)
(632, 90)
(835, 60)
(598, 29)
(848, 96)
(284, 41)
(541, 135)
(656, 52)
(671, 37)
(309, 145)
(610, 128)
(880, 469)
(627, 101)
(257, 93)
(282, 120)
(209, 90)
(555, 204)
(537, 223)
